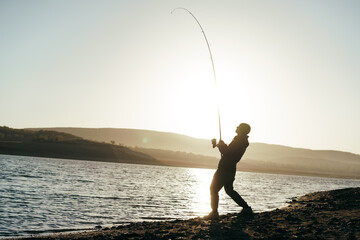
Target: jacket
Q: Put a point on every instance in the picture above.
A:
(232, 153)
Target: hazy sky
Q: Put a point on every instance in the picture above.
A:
(291, 69)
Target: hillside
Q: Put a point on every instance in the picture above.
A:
(180, 159)
(143, 139)
(175, 149)
(54, 144)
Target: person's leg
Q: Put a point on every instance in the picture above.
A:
(229, 189)
(216, 185)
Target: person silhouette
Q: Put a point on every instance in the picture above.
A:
(225, 173)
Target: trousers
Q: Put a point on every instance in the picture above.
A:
(226, 180)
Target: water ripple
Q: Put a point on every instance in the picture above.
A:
(43, 195)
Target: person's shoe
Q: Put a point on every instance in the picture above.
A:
(212, 216)
(247, 211)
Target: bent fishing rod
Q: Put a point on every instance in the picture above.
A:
(212, 61)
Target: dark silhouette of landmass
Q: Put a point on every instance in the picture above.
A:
(180, 159)
(54, 144)
(180, 150)
(143, 139)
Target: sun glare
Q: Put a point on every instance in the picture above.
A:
(202, 179)
(195, 108)
(197, 98)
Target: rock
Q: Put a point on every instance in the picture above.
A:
(291, 218)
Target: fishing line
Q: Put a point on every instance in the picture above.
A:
(212, 61)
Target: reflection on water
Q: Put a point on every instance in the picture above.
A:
(200, 203)
(43, 195)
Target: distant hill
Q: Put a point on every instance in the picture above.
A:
(180, 159)
(45, 143)
(181, 150)
(143, 139)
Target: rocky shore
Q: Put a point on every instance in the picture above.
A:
(322, 215)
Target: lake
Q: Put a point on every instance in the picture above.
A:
(44, 195)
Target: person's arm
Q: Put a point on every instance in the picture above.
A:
(223, 148)
(234, 148)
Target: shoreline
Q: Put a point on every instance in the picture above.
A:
(320, 215)
(290, 173)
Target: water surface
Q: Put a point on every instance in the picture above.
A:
(41, 195)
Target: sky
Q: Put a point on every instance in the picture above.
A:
(288, 68)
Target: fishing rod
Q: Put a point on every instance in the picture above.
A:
(212, 61)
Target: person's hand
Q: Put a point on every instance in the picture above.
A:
(213, 141)
(221, 142)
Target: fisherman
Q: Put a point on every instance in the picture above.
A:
(225, 174)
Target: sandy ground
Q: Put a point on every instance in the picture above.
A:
(322, 215)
